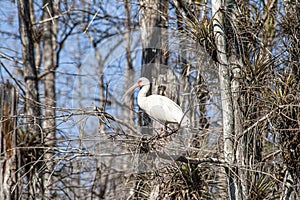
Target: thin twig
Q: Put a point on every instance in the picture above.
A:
(91, 21)
(48, 10)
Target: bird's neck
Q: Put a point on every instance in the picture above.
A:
(142, 96)
(144, 91)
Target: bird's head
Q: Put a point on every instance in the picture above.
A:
(140, 83)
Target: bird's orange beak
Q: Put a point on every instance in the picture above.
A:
(130, 90)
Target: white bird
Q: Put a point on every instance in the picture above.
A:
(161, 108)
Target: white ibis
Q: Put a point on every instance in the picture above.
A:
(161, 108)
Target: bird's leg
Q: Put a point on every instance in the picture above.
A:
(168, 130)
(158, 128)
(162, 137)
(163, 131)
(159, 142)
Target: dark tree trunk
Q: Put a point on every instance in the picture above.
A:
(151, 33)
(32, 108)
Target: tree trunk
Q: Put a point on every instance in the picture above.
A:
(226, 97)
(129, 73)
(50, 65)
(236, 49)
(8, 139)
(152, 35)
(102, 103)
(32, 109)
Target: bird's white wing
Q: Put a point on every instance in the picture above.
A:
(176, 112)
(163, 109)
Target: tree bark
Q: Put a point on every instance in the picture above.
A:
(151, 36)
(8, 142)
(150, 23)
(235, 48)
(50, 65)
(226, 97)
(32, 109)
(129, 73)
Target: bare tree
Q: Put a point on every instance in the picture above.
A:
(32, 107)
(9, 167)
(50, 63)
(226, 95)
(129, 70)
